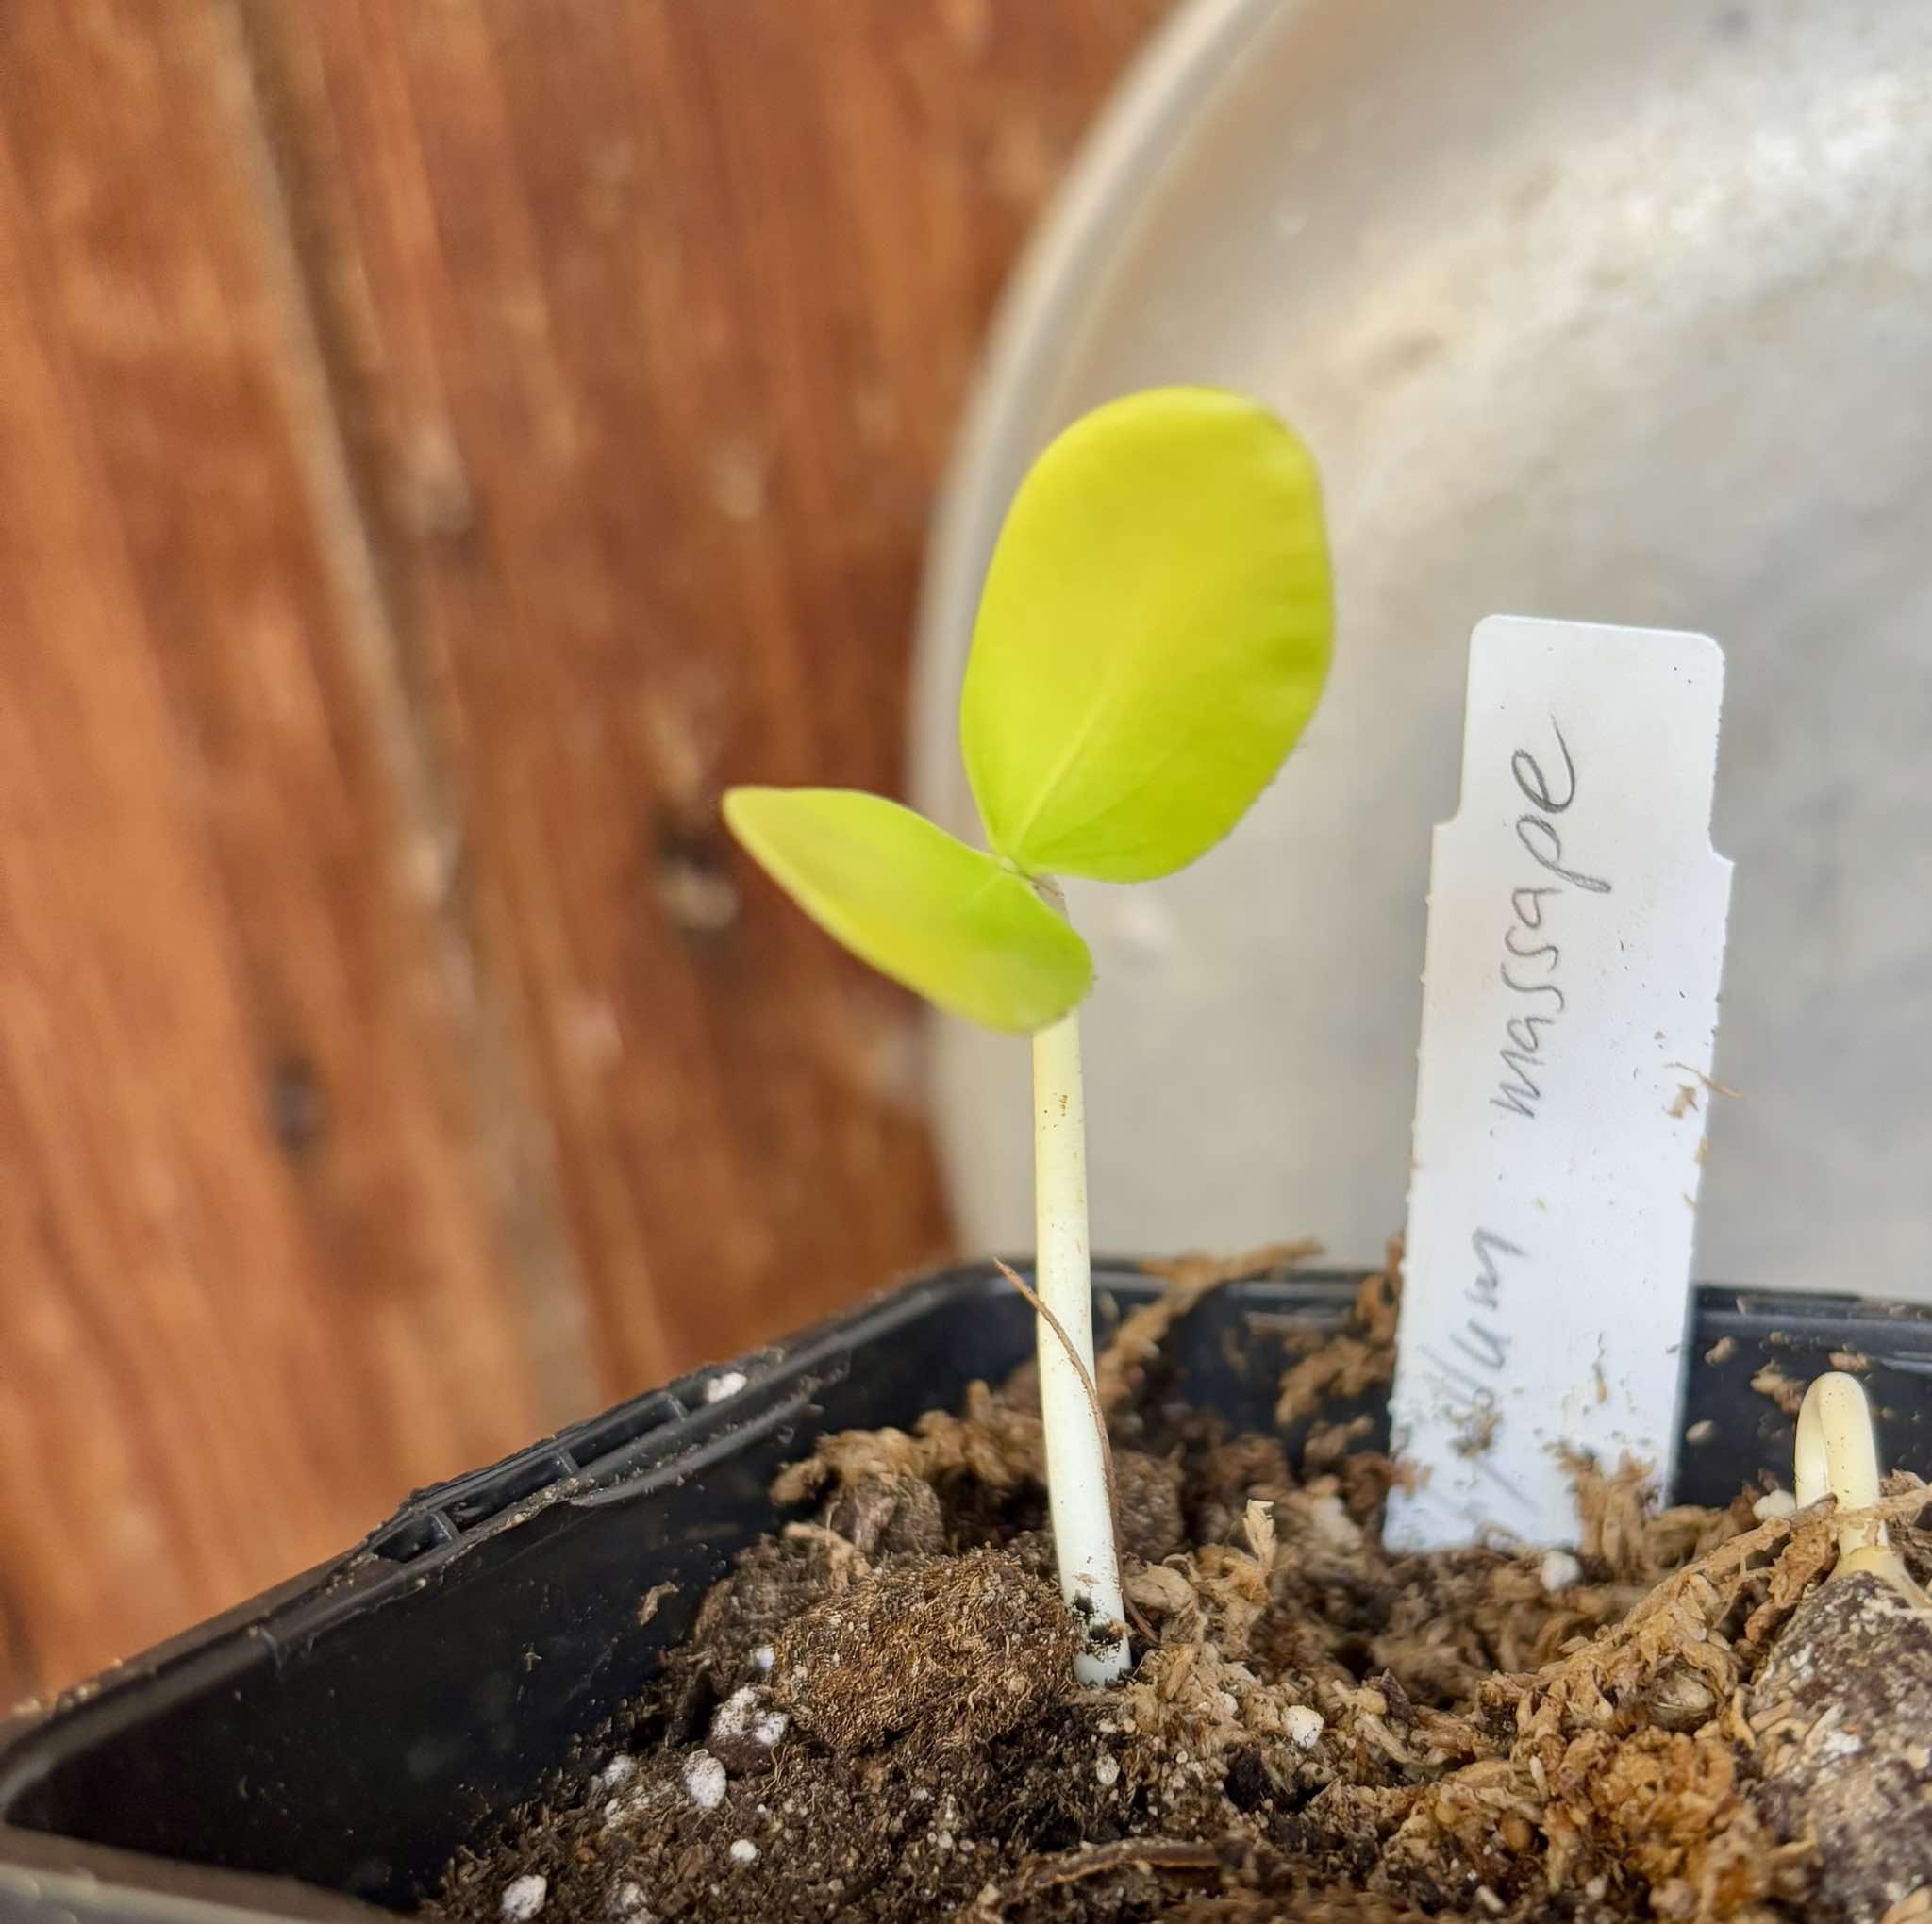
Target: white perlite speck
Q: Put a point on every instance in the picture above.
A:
(735, 1713)
(704, 1778)
(1303, 1726)
(627, 1901)
(620, 1769)
(1107, 1771)
(1558, 1571)
(522, 1898)
(726, 1382)
(763, 1657)
(739, 1716)
(744, 1852)
(1774, 1504)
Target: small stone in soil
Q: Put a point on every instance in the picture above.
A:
(1559, 1571)
(1679, 1699)
(1304, 1726)
(522, 1898)
(704, 1778)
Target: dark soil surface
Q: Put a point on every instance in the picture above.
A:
(875, 1716)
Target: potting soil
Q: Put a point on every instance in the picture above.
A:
(875, 1716)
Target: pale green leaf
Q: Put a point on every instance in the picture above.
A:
(1153, 635)
(956, 926)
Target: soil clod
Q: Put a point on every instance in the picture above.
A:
(956, 1651)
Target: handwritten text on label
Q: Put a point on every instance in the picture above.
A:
(1577, 918)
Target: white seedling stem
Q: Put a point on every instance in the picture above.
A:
(1077, 1477)
(1837, 1456)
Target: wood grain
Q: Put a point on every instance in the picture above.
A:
(658, 317)
(253, 1290)
(441, 444)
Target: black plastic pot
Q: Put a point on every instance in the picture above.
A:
(336, 1739)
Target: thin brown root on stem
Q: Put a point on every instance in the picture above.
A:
(1113, 1501)
(1096, 1860)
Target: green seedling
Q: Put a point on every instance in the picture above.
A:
(1153, 635)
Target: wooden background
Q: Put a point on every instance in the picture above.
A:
(441, 443)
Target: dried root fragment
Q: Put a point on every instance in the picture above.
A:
(1354, 1362)
(1143, 1331)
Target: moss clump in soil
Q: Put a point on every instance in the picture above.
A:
(875, 1717)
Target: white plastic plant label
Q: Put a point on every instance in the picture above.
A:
(1576, 929)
